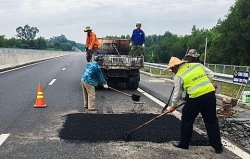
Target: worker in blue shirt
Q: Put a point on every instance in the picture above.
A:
(137, 40)
(91, 77)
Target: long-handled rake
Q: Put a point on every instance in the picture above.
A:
(128, 135)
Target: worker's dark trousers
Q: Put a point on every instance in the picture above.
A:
(206, 105)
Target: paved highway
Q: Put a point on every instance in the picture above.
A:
(64, 129)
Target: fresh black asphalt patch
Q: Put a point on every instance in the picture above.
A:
(88, 127)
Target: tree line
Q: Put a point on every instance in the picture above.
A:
(25, 39)
(227, 43)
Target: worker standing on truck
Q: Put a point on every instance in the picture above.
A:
(195, 78)
(91, 77)
(91, 44)
(137, 40)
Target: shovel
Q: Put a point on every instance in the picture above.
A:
(134, 97)
(128, 135)
(165, 107)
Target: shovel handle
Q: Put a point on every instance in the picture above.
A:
(165, 107)
(153, 119)
(120, 92)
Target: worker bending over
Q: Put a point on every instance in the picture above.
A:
(194, 78)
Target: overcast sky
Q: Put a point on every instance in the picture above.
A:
(110, 17)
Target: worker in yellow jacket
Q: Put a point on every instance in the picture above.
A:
(194, 78)
(91, 44)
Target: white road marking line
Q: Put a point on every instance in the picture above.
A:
(3, 137)
(52, 82)
(231, 147)
(63, 69)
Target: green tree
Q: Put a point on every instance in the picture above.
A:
(14, 43)
(28, 33)
(234, 38)
(41, 43)
(3, 41)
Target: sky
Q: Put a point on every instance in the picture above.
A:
(110, 17)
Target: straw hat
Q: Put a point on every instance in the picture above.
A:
(174, 61)
(87, 29)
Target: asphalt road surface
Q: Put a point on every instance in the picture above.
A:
(64, 129)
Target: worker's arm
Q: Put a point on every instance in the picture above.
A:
(143, 44)
(100, 75)
(177, 91)
(176, 94)
(87, 42)
(92, 40)
(132, 38)
(209, 73)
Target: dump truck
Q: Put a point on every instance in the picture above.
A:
(118, 66)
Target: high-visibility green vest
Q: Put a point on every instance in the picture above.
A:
(195, 80)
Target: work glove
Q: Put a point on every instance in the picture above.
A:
(130, 44)
(143, 45)
(86, 48)
(105, 86)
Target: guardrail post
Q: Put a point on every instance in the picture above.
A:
(160, 73)
(219, 87)
(150, 70)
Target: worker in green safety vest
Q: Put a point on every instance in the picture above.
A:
(194, 78)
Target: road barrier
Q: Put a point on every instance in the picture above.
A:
(10, 58)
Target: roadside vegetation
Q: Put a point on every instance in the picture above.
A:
(26, 39)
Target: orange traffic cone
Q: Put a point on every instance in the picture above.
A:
(39, 98)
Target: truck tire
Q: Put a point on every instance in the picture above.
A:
(132, 85)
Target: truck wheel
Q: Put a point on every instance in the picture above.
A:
(132, 85)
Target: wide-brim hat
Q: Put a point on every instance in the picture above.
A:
(192, 53)
(174, 61)
(87, 29)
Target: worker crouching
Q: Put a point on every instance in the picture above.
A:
(194, 78)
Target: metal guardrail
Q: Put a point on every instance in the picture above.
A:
(226, 69)
(218, 77)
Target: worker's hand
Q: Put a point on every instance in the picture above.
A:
(215, 85)
(143, 45)
(105, 86)
(171, 109)
(86, 48)
(130, 44)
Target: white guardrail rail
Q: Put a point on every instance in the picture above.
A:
(218, 77)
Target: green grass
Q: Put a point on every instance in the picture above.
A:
(231, 90)
(156, 71)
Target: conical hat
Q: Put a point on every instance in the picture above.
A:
(174, 61)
